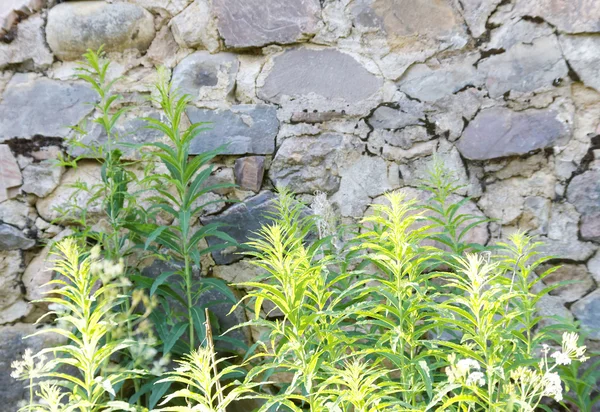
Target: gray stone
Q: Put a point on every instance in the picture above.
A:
(391, 118)
(16, 213)
(257, 23)
(74, 27)
(39, 106)
(583, 54)
(306, 164)
(130, 129)
(500, 132)
(10, 173)
(318, 77)
(28, 49)
(196, 27)
(13, 11)
(241, 222)
(593, 266)
(42, 178)
(242, 271)
(586, 311)
(163, 50)
(584, 193)
(206, 76)
(552, 310)
(427, 84)
(476, 14)
(12, 347)
(249, 172)
(246, 129)
(581, 16)
(12, 238)
(582, 281)
(162, 7)
(524, 67)
(10, 268)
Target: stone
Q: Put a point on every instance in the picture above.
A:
(17, 311)
(536, 212)
(363, 178)
(552, 311)
(28, 49)
(581, 281)
(39, 271)
(249, 172)
(206, 76)
(39, 106)
(245, 129)
(241, 221)
(16, 213)
(257, 23)
(12, 347)
(306, 79)
(582, 16)
(10, 173)
(10, 270)
(500, 132)
(476, 14)
(162, 7)
(53, 207)
(196, 27)
(12, 238)
(583, 54)
(430, 84)
(131, 128)
(584, 193)
(391, 118)
(238, 272)
(593, 266)
(163, 50)
(586, 311)
(306, 164)
(245, 83)
(13, 11)
(524, 67)
(75, 27)
(42, 178)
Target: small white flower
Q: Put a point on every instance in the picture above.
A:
(476, 378)
(561, 358)
(552, 386)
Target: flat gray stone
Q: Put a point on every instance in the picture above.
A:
(12, 11)
(75, 26)
(41, 178)
(241, 222)
(206, 76)
(391, 118)
(306, 164)
(500, 132)
(12, 238)
(10, 173)
(28, 49)
(324, 73)
(583, 54)
(525, 67)
(586, 311)
(581, 16)
(476, 14)
(40, 106)
(246, 129)
(256, 23)
(578, 274)
(584, 193)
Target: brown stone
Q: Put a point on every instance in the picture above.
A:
(249, 172)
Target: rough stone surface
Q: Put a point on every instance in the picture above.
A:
(13, 11)
(12, 238)
(10, 268)
(593, 266)
(238, 272)
(205, 76)
(249, 172)
(241, 221)
(525, 67)
(52, 207)
(28, 49)
(581, 16)
(74, 27)
(584, 193)
(476, 14)
(583, 54)
(196, 27)
(245, 129)
(306, 164)
(39, 106)
(16, 213)
(12, 348)
(256, 23)
(10, 174)
(500, 132)
(305, 78)
(41, 179)
(586, 311)
(580, 281)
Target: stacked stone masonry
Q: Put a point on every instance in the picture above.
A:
(347, 97)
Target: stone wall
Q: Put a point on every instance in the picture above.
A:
(347, 97)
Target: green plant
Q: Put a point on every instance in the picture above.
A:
(83, 298)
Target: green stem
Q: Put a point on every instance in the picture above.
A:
(188, 292)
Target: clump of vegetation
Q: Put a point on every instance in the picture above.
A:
(399, 313)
